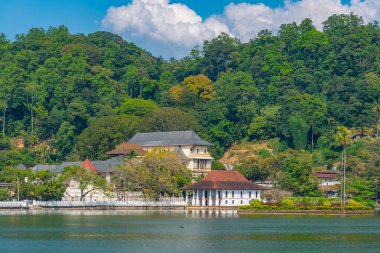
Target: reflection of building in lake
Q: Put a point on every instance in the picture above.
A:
(223, 188)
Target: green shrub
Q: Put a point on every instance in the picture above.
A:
(265, 153)
(288, 204)
(276, 145)
(326, 204)
(245, 207)
(353, 205)
(257, 204)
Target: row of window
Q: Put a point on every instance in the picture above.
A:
(204, 151)
(232, 194)
(233, 202)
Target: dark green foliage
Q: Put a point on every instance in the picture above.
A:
(103, 135)
(75, 92)
(48, 187)
(136, 107)
(216, 165)
(168, 119)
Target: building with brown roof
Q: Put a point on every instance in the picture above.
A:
(192, 150)
(126, 150)
(329, 182)
(223, 188)
(327, 177)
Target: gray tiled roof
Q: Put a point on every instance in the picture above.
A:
(108, 165)
(103, 166)
(66, 164)
(179, 151)
(21, 166)
(46, 167)
(157, 139)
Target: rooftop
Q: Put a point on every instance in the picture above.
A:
(224, 180)
(126, 149)
(326, 174)
(173, 138)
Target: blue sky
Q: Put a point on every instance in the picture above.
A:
(83, 16)
(156, 30)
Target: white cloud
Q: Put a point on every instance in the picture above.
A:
(246, 20)
(175, 28)
(164, 22)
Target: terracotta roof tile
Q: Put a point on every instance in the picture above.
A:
(326, 174)
(225, 180)
(126, 148)
(88, 165)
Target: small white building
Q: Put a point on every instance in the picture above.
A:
(223, 188)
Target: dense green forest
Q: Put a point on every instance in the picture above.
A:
(74, 96)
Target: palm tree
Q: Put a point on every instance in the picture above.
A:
(343, 138)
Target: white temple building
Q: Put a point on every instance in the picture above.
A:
(223, 188)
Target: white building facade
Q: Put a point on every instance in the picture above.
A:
(192, 150)
(223, 188)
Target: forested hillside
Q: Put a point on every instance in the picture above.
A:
(73, 96)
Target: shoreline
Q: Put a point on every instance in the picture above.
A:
(306, 212)
(190, 209)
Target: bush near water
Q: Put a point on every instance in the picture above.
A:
(306, 203)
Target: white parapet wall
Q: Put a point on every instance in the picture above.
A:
(15, 204)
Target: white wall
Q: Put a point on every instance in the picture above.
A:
(228, 197)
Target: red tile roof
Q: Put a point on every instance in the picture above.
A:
(126, 148)
(224, 180)
(88, 165)
(326, 174)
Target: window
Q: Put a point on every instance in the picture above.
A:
(233, 194)
(226, 201)
(218, 194)
(206, 194)
(205, 151)
(226, 194)
(241, 201)
(241, 194)
(256, 194)
(197, 150)
(233, 201)
(250, 194)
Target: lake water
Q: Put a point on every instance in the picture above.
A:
(182, 231)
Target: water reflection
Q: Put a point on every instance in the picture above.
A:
(184, 231)
(184, 213)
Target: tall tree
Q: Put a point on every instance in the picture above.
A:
(343, 138)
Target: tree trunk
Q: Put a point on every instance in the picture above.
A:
(31, 113)
(312, 140)
(341, 187)
(344, 174)
(131, 89)
(4, 121)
